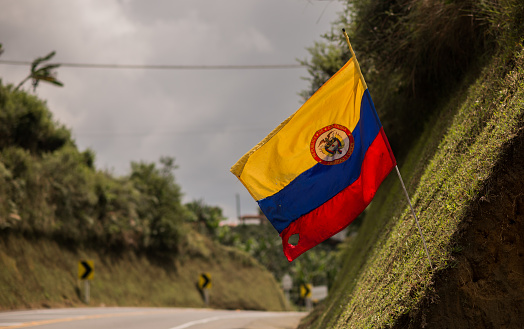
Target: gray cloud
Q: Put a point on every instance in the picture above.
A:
(206, 119)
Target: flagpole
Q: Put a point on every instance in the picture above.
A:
(416, 219)
(355, 57)
(396, 167)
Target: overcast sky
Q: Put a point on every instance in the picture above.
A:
(205, 119)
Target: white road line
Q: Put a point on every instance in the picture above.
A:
(229, 316)
(9, 324)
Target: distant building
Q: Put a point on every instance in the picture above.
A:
(253, 219)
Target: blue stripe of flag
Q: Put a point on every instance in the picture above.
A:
(321, 182)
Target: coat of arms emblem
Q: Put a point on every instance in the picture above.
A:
(332, 144)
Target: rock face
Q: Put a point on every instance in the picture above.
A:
(485, 287)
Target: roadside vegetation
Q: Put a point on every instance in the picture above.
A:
(50, 188)
(317, 267)
(52, 191)
(149, 248)
(447, 79)
(40, 272)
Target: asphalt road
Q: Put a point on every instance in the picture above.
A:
(150, 318)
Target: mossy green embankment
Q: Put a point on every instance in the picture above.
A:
(467, 157)
(39, 272)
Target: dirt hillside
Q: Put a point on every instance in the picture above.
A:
(42, 273)
(485, 287)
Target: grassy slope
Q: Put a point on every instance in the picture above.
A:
(385, 274)
(42, 273)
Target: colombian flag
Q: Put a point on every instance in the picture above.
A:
(319, 169)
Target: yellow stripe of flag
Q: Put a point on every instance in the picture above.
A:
(284, 153)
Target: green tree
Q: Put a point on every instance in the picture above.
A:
(161, 205)
(25, 121)
(205, 218)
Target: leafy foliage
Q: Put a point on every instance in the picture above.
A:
(43, 73)
(161, 206)
(51, 188)
(206, 218)
(25, 122)
(318, 266)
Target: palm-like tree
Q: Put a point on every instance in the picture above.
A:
(44, 73)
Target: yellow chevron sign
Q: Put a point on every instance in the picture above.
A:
(305, 290)
(204, 281)
(86, 270)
